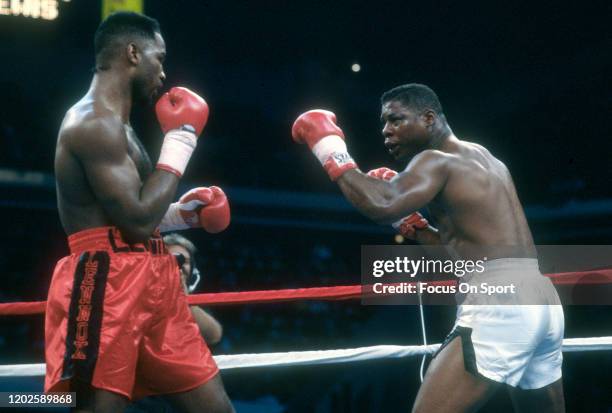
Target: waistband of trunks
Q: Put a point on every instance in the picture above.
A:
(109, 239)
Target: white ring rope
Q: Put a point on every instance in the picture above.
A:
(423, 331)
(303, 358)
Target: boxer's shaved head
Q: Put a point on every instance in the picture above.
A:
(414, 96)
(119, 29)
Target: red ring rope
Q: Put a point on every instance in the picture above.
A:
(346, 292)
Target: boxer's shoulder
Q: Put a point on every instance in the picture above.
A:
(431, 159)
(87, 128)
(470, 151)
(485, 162)
(467, 157)
(432, 155)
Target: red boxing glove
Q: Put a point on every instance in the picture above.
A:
(215, 216)
(201, 207)
(180, 107)
(409, 225)
(383, 173)
(317, 128)
(182, 115)
(406, 226)
(312, 126)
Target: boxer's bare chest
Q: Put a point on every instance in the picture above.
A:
(138, 154)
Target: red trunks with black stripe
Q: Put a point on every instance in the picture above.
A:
(118, 319)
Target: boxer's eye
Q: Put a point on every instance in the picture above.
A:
(395, 120)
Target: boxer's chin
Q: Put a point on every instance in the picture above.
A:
(145, 99)
(154, 95)
(143, 95)
(150, 100)
(409, 152)
(400, 154)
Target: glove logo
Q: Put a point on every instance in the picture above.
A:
(342, 158)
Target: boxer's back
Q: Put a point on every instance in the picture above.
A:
(478, 210)
(85, 128)
(77, 204)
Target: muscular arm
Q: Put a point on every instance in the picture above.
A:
(210, 328)
(388, 201)
(135, 207)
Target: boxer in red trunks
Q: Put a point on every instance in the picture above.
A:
(117, 325)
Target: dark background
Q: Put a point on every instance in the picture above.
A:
(529, 80)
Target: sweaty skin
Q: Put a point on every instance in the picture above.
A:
(468, 192)
(104, 176)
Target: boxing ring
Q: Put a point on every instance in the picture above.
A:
(318, 357)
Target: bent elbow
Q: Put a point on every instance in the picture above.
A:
(141, 227)
(135, 224)
(216, 336)
(382, 214)
(211, 334)
(136, 234)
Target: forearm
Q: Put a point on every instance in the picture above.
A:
(139, 220)
(182, 115)
(372, 197)
(382, 201)
(157, 192)
(210, 328)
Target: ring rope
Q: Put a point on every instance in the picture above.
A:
(316, 357)
(347, 292)
(424, 333)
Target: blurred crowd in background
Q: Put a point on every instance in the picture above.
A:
(526, 80)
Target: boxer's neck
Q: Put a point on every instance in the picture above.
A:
(448, 143)
(440, 137)
(114, 91)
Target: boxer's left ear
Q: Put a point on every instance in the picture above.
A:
(132, 53)
(429, 117)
